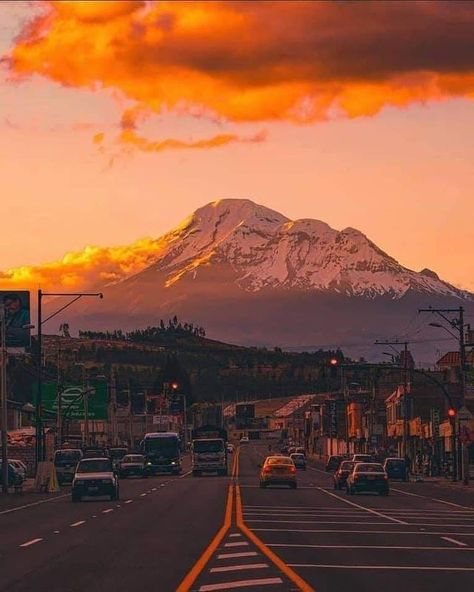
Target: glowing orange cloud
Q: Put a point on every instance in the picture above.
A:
(253, 61)
(91, 267)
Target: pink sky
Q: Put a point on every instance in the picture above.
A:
(403, 175)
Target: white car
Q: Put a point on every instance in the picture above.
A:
(19, 466)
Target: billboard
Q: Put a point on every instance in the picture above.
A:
(17, 317)
(72, 400)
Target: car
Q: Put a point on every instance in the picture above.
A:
(365, 458)
(117, 454)
(396, 468)
(278, 470)
(230, 448)
(340, 476)
(299, 459)
(132, 465)
(65, 462)
(333, 463)
(19, 466)
(367, 477)
(95, 477)
(15, 478)
(300, 450)
(95, 452)
(244, 440)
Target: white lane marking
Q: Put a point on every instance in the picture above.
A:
(240, 584)
(237, 555)
(128, 501)
(107, 511)
(319, 470)
(153, 489)
(363, 507)
(242, 567)
(382, 547)
(400, 567)
(364, 532)
(56, 531)
(74, 524)
(239, 544)
(434, 499)
(53, 499)
(185, 474)
(235, 534)
(32, 542)
(142, 494)
(327, 522)
(454, 541)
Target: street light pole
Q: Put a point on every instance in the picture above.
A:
(40, 444)
(3, 391)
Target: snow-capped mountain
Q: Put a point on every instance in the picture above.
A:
(251, 276)
(267, 250)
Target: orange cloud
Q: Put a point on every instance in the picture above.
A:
(85, 269)
(255, 61)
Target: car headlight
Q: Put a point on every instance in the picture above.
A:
(148, 464)
(173, 463)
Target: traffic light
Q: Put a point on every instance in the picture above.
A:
(451, 413)
(174, 387)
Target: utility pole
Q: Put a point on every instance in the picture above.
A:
(113, 407)
(458, 325)
(406, 405)
(3, 392)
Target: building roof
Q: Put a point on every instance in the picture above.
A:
(452, 359)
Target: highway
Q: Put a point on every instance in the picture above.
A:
(211, 533)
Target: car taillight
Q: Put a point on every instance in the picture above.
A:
(292, 469)
(267, 469)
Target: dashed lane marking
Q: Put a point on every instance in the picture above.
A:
(242, 567)
(79, 523)
(128, 501)
(240, 584)
(363, 507)
(238, 544)
(454, 541)
(142, 494)
(237, 555)
(107, 511)
(29, 543)
(235, 534)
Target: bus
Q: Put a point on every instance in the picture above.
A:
(162, 451)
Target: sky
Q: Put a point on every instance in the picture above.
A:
(119, 119)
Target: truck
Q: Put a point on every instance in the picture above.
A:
(65, 462)
(209, 451)
(162, 451)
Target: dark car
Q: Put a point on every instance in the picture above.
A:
(65, 462)
(396, 468)
(132, 465)
(333, 463)
(117, 455)
(95, 477)
(367, 477)
(340, 476)
(299, 460)
(15, 478)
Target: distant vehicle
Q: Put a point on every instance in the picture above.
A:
(244, 440)
(208, 455)
(65, 462)
(117, 454)
(333, 463)
(300, 450)
(340, 476)
(366, 458)
(162, 451)
(299, 459)
(94, 477)
(95, 452)
(132, 464)
(278, 470)
(367, 477)
(19, 466)
(291, 450)
(15, 478)
(230, 448)
(396, 468)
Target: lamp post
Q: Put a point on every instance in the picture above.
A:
(40, 448)
(3, 391)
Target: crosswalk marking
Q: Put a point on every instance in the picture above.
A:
(240, 584)
(237, 555)
(242, 567)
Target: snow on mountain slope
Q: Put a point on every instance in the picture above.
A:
(267, 250)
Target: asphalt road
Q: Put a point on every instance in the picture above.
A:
(221, 533)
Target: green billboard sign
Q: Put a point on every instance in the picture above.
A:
(73, 400)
